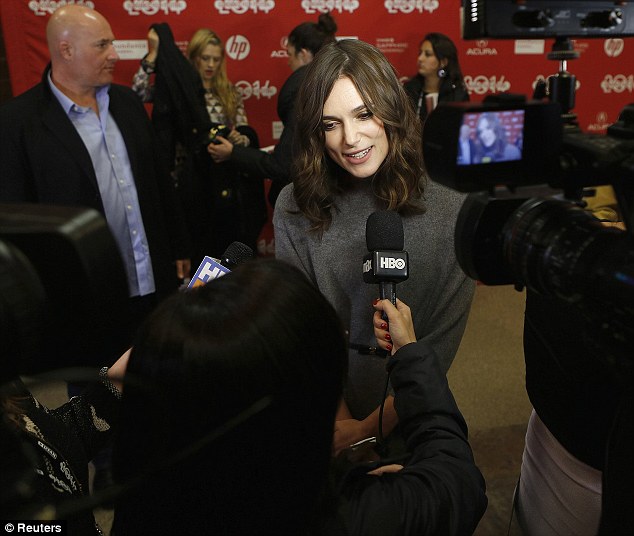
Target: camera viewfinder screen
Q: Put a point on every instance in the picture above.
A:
(487, 137)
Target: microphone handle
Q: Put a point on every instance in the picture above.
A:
(387, 291)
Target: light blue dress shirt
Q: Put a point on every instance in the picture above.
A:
(111, 163)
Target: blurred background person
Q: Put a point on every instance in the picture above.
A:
(228, 412)
(466, 146)
(221, 204)
(492, 145)
(358, 152)
(439, 77)
(304, 42)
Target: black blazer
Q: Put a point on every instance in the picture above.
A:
(43, 160)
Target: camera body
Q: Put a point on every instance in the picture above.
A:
(548, 244)
(64, 293)
(548, 151)
(215, 131)
(538, 19)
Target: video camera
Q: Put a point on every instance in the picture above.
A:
(63, 290)
(529, 166)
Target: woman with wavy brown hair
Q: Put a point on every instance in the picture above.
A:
(358, 151)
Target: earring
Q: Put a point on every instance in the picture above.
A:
(442, 73)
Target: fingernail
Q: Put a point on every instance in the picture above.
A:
(389, 347)
(375, 301)
(383, 325)
(387, 336)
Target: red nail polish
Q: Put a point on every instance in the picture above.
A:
(389, 347)
(387, 337)
(383, 326)
(375, 301)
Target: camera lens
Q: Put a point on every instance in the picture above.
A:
(555, 247)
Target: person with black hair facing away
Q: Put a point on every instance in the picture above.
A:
(439, 77)
(227, 421)
(194, 100)
(304, 42)
(358, 151)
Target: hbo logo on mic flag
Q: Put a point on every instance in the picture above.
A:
(391, 264)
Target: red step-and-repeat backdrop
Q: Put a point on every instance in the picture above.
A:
(255, 35)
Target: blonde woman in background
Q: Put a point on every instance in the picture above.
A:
(222, 204)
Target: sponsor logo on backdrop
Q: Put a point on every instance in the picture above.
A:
(324, 6)
(47, 7)
(409, 6)
(601, 124)
(237, 47)
(281, 52)
(580, 46)
(613, 47)
(486, 84)
(256, 89)
(152, 7)
(618, 83)
(529, 46)
(482, 48)
(389, 45)
(541, 77)
(131, 49)
(240, 7)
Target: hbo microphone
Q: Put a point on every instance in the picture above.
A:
(386, 263)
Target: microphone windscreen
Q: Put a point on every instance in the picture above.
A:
(236, 253)
(384, 231)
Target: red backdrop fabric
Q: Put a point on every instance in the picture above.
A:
(255, 35)
(255, 32)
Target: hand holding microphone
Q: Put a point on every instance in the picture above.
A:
(400, 330)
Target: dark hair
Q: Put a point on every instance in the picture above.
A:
(499, 144)
(203, 357)
(445, 49)
(399, 181)
(312, 36)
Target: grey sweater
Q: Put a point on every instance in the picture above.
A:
(437, 291)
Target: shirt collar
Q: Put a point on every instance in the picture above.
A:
(68, 104)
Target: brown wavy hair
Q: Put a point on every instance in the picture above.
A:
(399, 181)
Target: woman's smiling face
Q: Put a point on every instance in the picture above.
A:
(355, 138)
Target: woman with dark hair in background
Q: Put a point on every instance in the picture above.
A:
(228, 409)
(303, 43)
(359, 152)
(439, 77)
(221, 205)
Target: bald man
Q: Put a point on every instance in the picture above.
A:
(76, 139)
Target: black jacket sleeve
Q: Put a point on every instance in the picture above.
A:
(275, 166)
(440, 490)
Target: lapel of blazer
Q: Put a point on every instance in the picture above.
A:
(56, 120)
